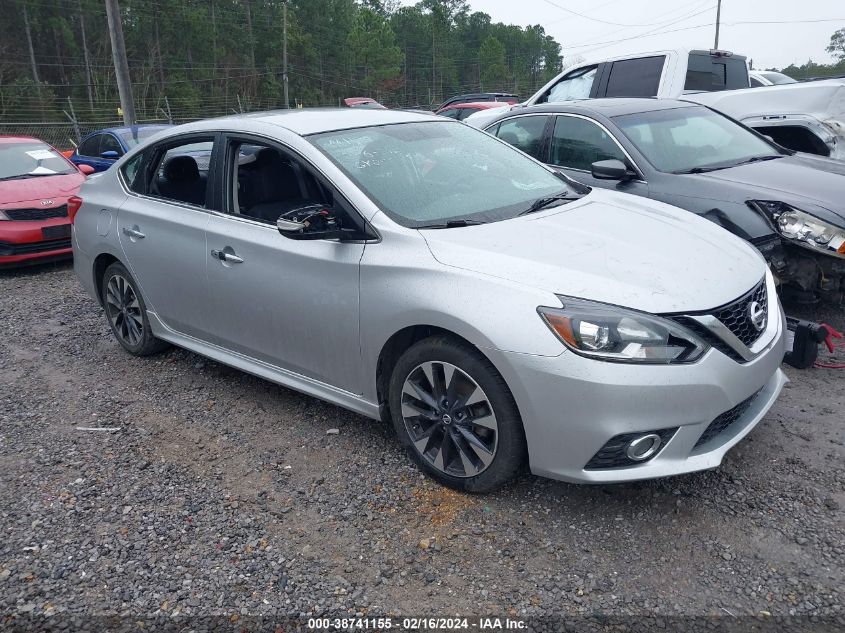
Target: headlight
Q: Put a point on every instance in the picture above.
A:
(803, 227)
(3, 216)
(605, 332)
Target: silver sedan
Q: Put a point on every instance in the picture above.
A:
(413, 269)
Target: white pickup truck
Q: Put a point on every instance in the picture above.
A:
(807, 116)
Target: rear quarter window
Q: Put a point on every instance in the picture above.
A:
(710, 73)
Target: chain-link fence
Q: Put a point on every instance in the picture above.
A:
(66, 134)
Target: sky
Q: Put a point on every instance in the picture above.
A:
(639, 24)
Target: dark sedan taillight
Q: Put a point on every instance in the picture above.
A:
(73, 204)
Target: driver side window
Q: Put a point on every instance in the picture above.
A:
(110, 144)
(268, 183)
(575, 85)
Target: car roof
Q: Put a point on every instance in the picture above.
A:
(304, 121)
(478, 105)
(128, 128)
(608, 107)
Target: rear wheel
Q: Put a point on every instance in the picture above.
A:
(455, 415)
(127, 313)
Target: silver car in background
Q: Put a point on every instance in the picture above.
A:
(410, 268)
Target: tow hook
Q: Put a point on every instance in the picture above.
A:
(802, 342)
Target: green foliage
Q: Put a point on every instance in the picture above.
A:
(494, 70)
(837, 45)
(212, 57)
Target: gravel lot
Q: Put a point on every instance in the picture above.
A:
(223, 494)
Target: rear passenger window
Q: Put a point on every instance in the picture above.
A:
(578, 143)
(525, 133)
(635, 77)
(181, 172)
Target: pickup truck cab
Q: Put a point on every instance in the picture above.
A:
(805, 117)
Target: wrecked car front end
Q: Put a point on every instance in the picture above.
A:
(807, 253)
(806, 117)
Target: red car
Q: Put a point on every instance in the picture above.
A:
(461, 111)
(35, 184)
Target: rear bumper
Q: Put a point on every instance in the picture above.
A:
(23, 243)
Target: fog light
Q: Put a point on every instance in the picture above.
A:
(643, 447)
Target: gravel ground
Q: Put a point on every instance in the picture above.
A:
(223, 494)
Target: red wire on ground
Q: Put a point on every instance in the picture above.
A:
(831, 347)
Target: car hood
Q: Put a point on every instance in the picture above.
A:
(811, 183)
(610, 247)
(34, 190)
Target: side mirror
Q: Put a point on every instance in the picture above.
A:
(110, 155)
(613, 169)
(86, 169)
(300, 229)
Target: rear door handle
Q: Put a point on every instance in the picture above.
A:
(133, 232)
(223, 256)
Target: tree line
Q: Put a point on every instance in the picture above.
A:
(196, 58)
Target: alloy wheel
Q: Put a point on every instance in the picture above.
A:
(124, 310)
(449, 419)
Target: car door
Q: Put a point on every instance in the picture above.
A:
(578, 141)
(161, 227)
(287, 302)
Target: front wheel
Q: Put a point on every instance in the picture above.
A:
(127, 313)
(455, 415)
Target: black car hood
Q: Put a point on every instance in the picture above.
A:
(810, 183)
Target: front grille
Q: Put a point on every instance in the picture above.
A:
(725, 421)
(612, 454)
(33, 247)
(736, 316)
(36, 214)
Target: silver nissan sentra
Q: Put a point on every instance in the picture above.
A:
(411, 268)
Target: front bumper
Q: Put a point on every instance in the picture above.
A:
(24, 242)
(571, 406)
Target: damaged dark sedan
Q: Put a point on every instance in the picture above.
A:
(791, 206)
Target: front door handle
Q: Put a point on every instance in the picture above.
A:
(225, 256)
(134, 232)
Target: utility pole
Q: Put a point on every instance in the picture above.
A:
(121, 65)
(285, 51)
(718, 17)
(29, 44)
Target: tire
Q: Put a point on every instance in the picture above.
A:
(126, 313)
(476, 442)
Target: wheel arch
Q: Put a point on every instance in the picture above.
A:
(396, 345)
(101, 262)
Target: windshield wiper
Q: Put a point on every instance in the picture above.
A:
(542, 203)
(706, 168)
(24, 176)
(757, 159)
(450, 224)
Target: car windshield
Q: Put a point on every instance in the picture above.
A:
(136, 136)
(434, 173)
(32, 159)
(685, 140)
